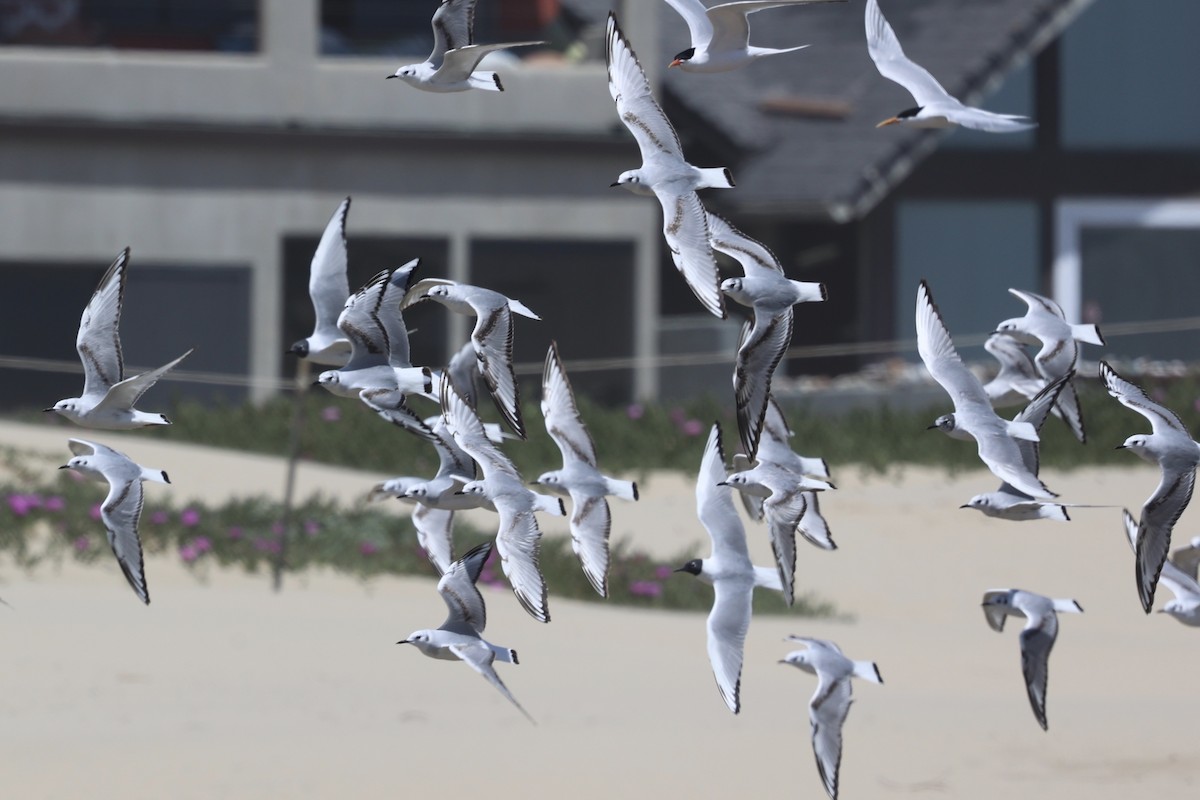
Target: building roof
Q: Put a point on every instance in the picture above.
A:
(802, 125)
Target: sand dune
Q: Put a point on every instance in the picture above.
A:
(224, 689)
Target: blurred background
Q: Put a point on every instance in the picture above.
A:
(217, 138)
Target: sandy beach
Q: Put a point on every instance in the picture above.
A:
(223, 688)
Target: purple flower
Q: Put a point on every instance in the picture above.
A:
(331, 413)
(54, 503)
(83, 544)
(693, 427)
(267, 545)
(189, 518)
(94, 512)
(202, 544)
(277, 528)
(635, 411)
(646, 589)
(312, 527)
(235, 532)
(368, 548)
(188, 553)
(677, 415)
(159, 518)
(662, 572)
(19, 504)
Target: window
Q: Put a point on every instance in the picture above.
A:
(971, 253)
(227, 25)
(1128, 76)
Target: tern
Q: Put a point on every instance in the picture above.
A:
(935, 107)
(721, 34)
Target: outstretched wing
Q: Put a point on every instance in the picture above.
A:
(563, 422)
(99, 339)
(892, 64)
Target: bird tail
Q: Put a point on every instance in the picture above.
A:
(715, 178)
(867, 671)
(1089, 334)
(1023, 430)
(488, 81)
(156, 475)
(549, 505)
(626, 490)
(768, 578)
(517, 307)
(505, 654)
(1068, 606)
(811, 292)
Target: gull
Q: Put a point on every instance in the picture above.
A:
(935, 107)
(379, 371)
(122, 508)
(519, 539)
(461, 635)
(1187, 558)
(328, 289)
(786, 502)
(1017, 381)
(108, 396)
(1037, 638)
(492, 338)
(728, 569)
(591, 520)
(771, 295)
(1178, 575)
(830, 703)
(451, 65)
(773, 448)
(721, 34)
(973, 417)
(1045, 324)
(1171, 447)
(1013, 504)
(665, 173)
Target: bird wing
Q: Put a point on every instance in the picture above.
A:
(1035, 414)
(727, 625)
(714, 506)
(1131, 396)
(941, 359)
(1067, 408)
(452, 461)
(461, 372)
(467, 429)
(457, 65)
(479, 657)
(783, 509)
(591, 526)
(519, 543)
(700, 26)
(685, 228)
(813, 526)
(359, 322)
(636, 105)
(327, 285)
(563, 422)
(453, 27)
(827, 713)
(120, 513)
(99, 338)
(892, 64)
(493, 340)
(390, 317)
(457, 588)
(124, 394)
(390, 406)
(996, 608)
(419, 290)
(435, 531)
(1187, 558)
(761, 350)
(754, 256)
(1037, 639)
(1039, 303)
(1159, 515)
(987, 121)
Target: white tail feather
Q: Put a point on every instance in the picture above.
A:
(867, 671)
(715, 178)
(626, 490)
(1023, 430)
(1089, 334)
(517, 307)
(1068, 606)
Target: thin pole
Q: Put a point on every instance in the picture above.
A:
(296, 434)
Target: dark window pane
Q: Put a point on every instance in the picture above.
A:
(229, 25)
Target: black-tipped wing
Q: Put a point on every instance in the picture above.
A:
(453, 27)
(827, 712)
(758, 356)
(1036, 644)
(359, 322)
(563, 422)
(98, 341)
(457, 588)
(120, 513)
(1159, 515)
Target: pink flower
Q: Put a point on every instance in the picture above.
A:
(54, 503)
(189, 518)
(635, 411)
(83, 544)
(662, 572)
(646, 588)
(312, 527)
(159, 518)
(331, 413)
(267, 545)
(19, 504)
(202, 544)
(94, 512)
(693, 427)
(235, 532)
(188, 553)
(368, 548)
